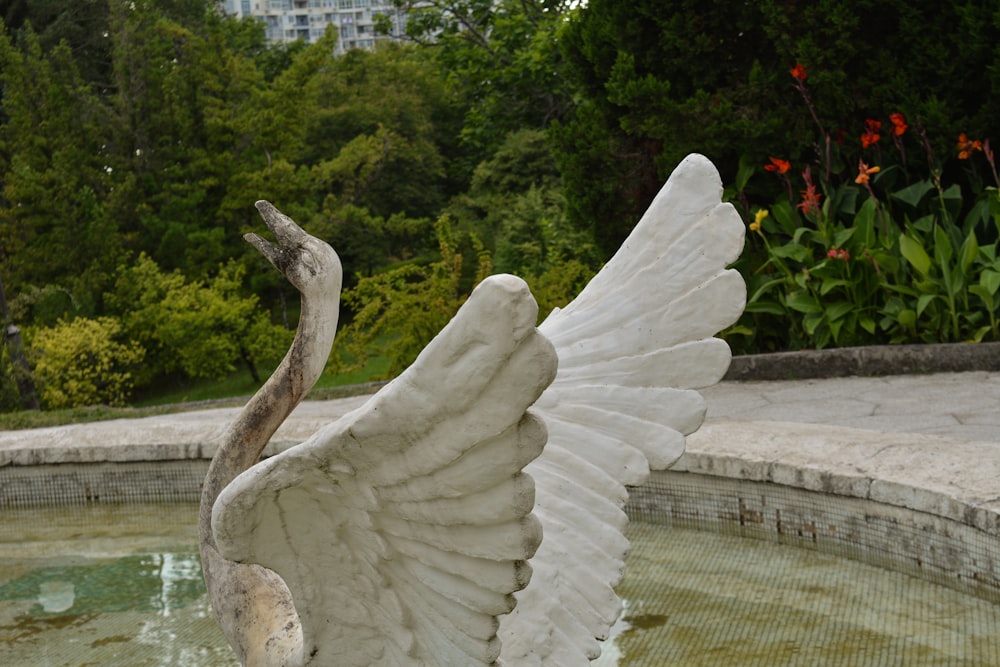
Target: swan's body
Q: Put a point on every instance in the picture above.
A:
(401, 530)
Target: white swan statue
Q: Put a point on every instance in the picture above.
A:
(437, 524)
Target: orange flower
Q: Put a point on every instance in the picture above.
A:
(967, 147)
(864, 171)
(798, 72)
(778, 165)
(871, 135)
(899, 125)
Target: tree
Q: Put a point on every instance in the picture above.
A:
(201, 329)
(407, 305)
(502, 58)
(52, 224)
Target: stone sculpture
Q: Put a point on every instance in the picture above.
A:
(401, 533)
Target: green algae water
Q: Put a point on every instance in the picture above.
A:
(105, 585)
(110, 585)
(698, 598)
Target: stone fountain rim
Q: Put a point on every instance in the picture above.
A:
(869, 361)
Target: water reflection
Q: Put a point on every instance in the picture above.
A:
(105, 585)
(146, 582)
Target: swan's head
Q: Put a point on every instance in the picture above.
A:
(307, 262)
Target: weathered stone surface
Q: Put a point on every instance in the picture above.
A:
(413, 511)
(873, 360)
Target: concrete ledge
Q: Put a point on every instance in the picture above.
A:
(952, 479)
(866, 361)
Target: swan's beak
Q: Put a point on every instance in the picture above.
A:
(288, 234)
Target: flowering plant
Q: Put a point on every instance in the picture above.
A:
(880, 254)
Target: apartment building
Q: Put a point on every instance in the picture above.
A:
(289, 20)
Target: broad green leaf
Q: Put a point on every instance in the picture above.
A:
(914, 254)
(830, 283)
(865, 223)
(765, 288)
(835, 311)
(803, 302)
(793, 251)
(844, 201)
(835, 327)
(980, 332)
(901, 289)
(968, 253)
(943, 253)
(924, 224)
(984, 294)
(811, 322)
(867, 323)
(979, 214)
(990, 279)
(813, 235)
(913, 194)
(923, 301)
(907, 317)
(942, 247)
(743, 174)
(887, 263)
(843, 236)
(765, 307)
(786, 217)
(952, 202)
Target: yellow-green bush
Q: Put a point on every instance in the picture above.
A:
(83, 362)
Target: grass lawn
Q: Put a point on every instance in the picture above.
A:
(191, 395)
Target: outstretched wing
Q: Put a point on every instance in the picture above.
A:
(632, 348)
(416, 496)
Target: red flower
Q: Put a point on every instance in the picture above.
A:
(810, 197)
(778, 165)
(798, 72)
(871, 135)
(838, 253)
(899, 125)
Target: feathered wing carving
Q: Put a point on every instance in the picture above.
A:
(403, 528)
(633, 347)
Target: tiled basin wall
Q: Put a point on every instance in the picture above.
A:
(944, 550)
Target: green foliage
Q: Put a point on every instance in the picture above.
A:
(408, 305)
(84, 362)
(876, 253)
(52, 224)
(201, 329)
(501, 59)
(9, 396)
(540, 131)
(657, 80)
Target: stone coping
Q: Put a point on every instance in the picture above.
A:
(941, 476)
(173, 437)
(866, 361)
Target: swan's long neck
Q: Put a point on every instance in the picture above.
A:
(252, 604)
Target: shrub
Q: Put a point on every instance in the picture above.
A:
(84, 362)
